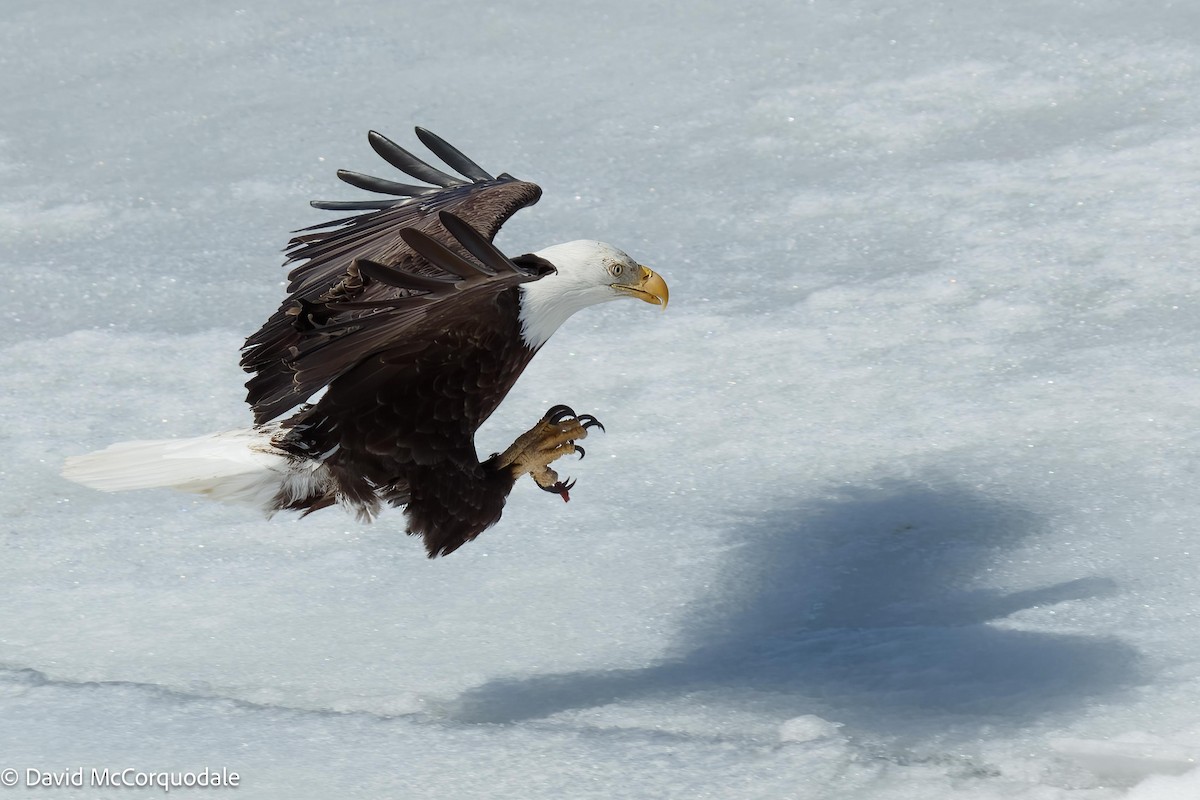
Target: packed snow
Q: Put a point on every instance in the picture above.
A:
(897, 501)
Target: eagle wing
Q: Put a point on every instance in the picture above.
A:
(339, 287)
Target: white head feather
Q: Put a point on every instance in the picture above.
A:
(586, 273)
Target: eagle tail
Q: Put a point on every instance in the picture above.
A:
(233, 466)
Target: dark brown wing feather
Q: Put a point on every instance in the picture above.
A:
(410, 383)
(329, 292)
(456, 311)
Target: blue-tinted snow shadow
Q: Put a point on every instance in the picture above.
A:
(860, 607)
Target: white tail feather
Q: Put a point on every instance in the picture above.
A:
(234, 466)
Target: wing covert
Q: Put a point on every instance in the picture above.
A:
(436, 289)
(331, 294)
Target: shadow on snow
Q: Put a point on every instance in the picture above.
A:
(859, 607)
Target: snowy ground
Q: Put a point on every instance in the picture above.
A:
(898, 498)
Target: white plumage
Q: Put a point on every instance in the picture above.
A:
(237, 466)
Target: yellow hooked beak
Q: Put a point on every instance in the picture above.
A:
(649, 287)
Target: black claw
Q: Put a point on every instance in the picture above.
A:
(558, 413)
(579, 449)
(561, 489)
(588, 421)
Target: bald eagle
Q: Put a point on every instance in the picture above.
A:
(403, 329)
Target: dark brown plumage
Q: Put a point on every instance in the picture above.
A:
(325, 257)
(410, 376)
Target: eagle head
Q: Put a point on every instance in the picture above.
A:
(586, 273)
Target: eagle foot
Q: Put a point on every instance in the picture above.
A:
(552, 438)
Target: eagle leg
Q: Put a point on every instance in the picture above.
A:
(552, 438)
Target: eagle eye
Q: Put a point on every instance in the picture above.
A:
(616, 270)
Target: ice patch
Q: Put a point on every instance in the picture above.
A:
(1127, 762)
(1162, 787)
(69, 220)
(808, 728)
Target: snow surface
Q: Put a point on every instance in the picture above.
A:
(897, 500)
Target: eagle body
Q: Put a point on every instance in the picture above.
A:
(403, 330)
(399, 427)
